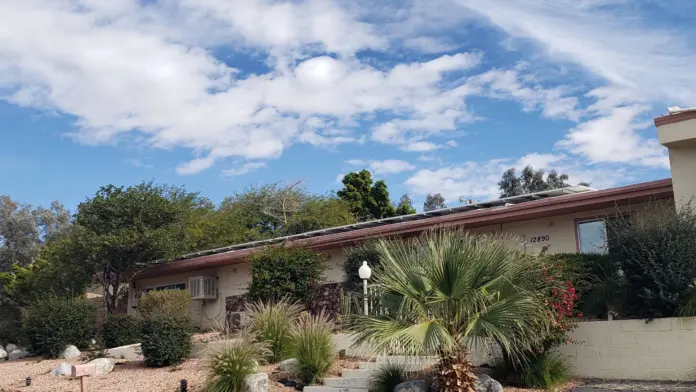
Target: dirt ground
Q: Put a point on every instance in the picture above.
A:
(134, 376)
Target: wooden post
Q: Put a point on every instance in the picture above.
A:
(81, 371)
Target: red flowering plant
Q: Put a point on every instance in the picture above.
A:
(561, 299)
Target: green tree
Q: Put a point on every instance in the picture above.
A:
(434, 202)
(405, 206)
(127, 229)
(530, 181)
(452, 289)
(366, 200)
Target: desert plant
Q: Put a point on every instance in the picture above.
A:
(312, 346)
(280, 271)
(272, 323)
(166, 340)
(229, 363)
(173, 303)
(387, 377)
(545, 371)
(120, 330)
(55, 322)
(455, 289)
(455, 373)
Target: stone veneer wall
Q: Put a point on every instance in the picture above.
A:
(663, 349)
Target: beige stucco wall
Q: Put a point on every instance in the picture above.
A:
(680, 139)
(663, 349)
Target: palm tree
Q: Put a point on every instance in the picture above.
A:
(455, 290)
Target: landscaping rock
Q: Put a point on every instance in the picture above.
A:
(412, 386)
(3, 354)
(486, 384)
(70, 352)
(17, 354)
(11, 347)
(103, 365)
(256, 383)
(63, 369)
(288, 364)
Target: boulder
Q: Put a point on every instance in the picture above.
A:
(103, 365)
(412, 386)
(11, 347)
(70, 352)
(256, 383)
(17, 354)
(63, 369)
(288, 365)
(486, 384)
(3, 354)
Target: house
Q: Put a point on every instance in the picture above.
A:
(561, 220)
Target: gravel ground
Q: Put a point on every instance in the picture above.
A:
(639, 386)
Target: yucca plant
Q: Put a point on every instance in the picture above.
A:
(313, 346)
(545, 371)
(229, 363)
(272, 322)
(455, 290)
(387, 377)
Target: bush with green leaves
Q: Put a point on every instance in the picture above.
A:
(120, 330)
(656, 250)
(354, 260)
(545, 371)
(313, 346)
(280, 271)
(387, 377)
(272, 322)
(174, 303)
(53, 323)
(165, 340)
(232, 361)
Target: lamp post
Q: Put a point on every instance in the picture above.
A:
(365, 272)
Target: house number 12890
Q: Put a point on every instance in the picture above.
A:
(540, 238)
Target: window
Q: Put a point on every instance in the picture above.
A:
(592, 236)
(175, 286)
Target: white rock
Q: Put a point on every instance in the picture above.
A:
(3, 354)
(103, 365)
(11, 347)
(70, 352)
(17, 354)
(63, 369)
(288, 365)
(256, 383)
(412, 386)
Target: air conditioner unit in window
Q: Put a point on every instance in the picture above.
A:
(203, 287)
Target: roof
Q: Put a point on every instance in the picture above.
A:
(510, 209)
(675, 115)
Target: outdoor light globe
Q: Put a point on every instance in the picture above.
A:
(365, 271)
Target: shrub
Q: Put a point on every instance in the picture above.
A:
(545, 371)
(120, 330)
(656, 251)
(354, 259)
(279, 271)
(229, 363)
(313, 347)
(55, 322)
(387, 377)
(166, 340)
(174, 303)
(272, 323)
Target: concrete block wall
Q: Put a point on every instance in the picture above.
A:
(663, 349)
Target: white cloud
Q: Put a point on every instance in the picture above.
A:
(244, 169)
(387, 166)
(539, 161)
(607, 37)
(138, 163)
(615, 137)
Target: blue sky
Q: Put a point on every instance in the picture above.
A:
(432, 96)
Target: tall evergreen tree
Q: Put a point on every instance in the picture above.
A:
(405, 206)
(434, 202)
(530, 181)
(366, 200)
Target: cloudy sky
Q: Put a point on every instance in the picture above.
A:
(432, 96)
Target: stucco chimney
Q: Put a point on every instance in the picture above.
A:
(677, 132)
